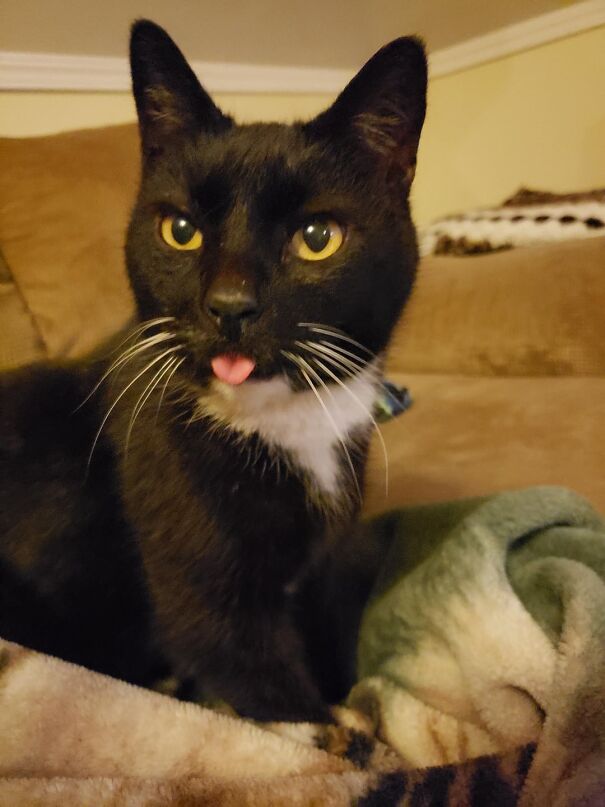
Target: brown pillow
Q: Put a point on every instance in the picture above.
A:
(531, 311)
(64, 206)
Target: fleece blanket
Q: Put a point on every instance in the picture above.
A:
(481, 682)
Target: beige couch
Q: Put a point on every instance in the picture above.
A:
(504, 354)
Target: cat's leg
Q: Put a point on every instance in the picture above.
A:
(256, 663)
(262, 673)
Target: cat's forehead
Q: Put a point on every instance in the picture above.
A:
(273, 168)
(255, 146)
(257, 159)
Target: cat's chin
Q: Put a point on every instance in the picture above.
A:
(230, 403)
(293, 420)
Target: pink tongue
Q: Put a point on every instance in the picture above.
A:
(232, 369)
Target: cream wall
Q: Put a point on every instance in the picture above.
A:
(536, 118)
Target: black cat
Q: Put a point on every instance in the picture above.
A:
(177, 515)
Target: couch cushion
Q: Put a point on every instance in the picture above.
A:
(530, 311)
(64, 205)
(20, 341)
(474, 436)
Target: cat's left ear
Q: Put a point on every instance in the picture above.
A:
(382, 108)
(169, 98)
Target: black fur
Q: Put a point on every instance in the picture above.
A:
(185, 551)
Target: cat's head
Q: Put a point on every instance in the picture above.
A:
(273, 247)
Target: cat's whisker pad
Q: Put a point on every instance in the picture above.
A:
(121, 395)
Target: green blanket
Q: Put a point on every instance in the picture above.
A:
(486, 630)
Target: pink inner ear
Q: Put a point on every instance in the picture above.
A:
(232, 369)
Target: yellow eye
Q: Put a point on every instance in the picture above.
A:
(178, 232)
(317, 240)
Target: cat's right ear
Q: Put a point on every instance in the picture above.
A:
(170, 100)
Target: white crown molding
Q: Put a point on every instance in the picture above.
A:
(520, 36)
(55, 71)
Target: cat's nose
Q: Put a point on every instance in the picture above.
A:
(231, 301)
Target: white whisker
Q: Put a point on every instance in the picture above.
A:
(301, 363)
(139, 348)
(126, 356)
(165, 386)
(335, 352)
(120, 396)
(150, 323)
(323, 351)
(362, 406)
(144, 396)
(337, 334)
(340, 349)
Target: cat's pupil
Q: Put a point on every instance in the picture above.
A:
(182, 230)
(316, 235)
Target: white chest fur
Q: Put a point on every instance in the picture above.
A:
(310, 432)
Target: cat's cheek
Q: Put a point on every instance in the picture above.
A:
(170, 280)
(315, 273)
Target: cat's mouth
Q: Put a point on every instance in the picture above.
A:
(231, 362)
(321, 355)
(232, 368)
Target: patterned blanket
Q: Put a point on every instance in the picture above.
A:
(528, 217)
(482, 682)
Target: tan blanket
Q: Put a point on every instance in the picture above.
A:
(486, 631)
